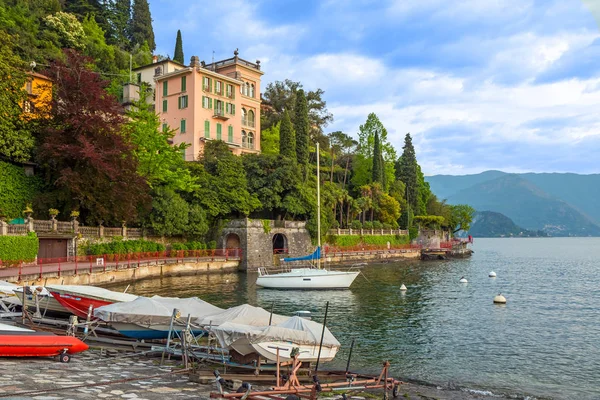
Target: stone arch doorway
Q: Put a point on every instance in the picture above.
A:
(280, 244)
(232, 241)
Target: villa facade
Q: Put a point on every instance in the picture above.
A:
(218, 101)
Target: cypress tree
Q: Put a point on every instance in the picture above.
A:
(120, 16)
(301, 127)
(407, 171)
(287, 137)
(178, 48)
(140, 25)
(377, 160)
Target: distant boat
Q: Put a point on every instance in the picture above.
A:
(150, 318)
(77, 299)
(311, 277)
(21, 342)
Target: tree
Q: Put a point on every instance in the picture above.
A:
(378, 173)
(68, 28)
(407, 171)
(363, 161)
(140, 25)
(301, 128)
(178, 49)
(269, 140)
(87, 162)
(170, 213)
(120, 16)
(287, 137)
(16, 140)
(461, 216)
(95, 45)
(159, 163)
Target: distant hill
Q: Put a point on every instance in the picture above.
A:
(558, 204)
(493, 224)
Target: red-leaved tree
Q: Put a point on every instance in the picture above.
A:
(88, 163)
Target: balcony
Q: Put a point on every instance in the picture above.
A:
(248, 122)
(220, 114)
(206, 88)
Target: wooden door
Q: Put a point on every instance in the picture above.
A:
(52, 248)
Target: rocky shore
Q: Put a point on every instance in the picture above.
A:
(94, 375)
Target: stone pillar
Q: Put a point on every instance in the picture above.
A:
(29, 222)
(100, 230)
(54, 224)
(75, 225)
(124, 230)
(3, 228)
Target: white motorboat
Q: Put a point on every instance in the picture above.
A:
(150, 318)
(279, 342)
(43, 298)
(308, 278)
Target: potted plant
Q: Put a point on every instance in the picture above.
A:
(74, 214)
(28, 211)
(53, 213)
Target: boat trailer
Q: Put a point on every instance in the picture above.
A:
(293, 389)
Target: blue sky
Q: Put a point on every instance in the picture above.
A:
(512, 85)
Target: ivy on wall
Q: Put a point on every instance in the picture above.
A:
(18, 248)
(16, 190)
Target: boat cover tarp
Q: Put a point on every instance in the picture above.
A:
(155, 310)
(7, 288)
(295, 330)
(244, 314)
(314, 256)
(92, 292)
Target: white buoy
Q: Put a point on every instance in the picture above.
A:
(403, 288)
(492, 274)
(500, 299)
(463, 280)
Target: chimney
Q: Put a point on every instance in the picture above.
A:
(194, 62)
(154, 59)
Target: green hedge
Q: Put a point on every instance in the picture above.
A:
(16, 189)
(354, 240)
(123, 247)
(17, 248)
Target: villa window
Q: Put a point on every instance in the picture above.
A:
(219, 107)
(244, 139)
(250, 140)
(183, 83)
(207, 129)
(29, 87)
(252, 90)
(183, 102)
(251, 118)
(164, 105)
(207, 84)
(27, 106)
(230, 108)
(182, 128)
(244, 117)
(230, 134)
(230, 91)
(218, 86)
(206, 102)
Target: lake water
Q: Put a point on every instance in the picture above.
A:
(545, 342)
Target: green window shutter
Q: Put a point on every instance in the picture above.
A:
(165, 88)
(210, 103)
(207, 129)
(233, 109)
(165, 127)
(230, 134)
(165, 105)
(182, 153)
(183, 83)
(182, 128)
(179, 102)
(204, 101)
(219, 131)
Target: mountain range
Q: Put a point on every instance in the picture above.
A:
(559, 204)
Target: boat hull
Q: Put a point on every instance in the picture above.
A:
(48, 304)
(78, 305)
(36, 344)
(268, 351)
(139, 332)
(308, 279)
(78, 301)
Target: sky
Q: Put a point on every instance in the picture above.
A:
(511, 85)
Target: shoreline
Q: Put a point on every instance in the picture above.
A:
(96, 374)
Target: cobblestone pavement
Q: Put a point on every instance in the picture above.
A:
(91, 375)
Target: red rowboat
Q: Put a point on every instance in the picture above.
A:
(19, 342)
(77, 299)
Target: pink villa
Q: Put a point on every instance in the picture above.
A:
(218, 101)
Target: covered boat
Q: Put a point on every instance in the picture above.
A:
(77, 299)
(47, 303)
(245, 315)
(21, 342)
(7, 288)
(150, 318)
(294, 333)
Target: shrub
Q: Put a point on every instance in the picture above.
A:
(377, 225)
(368, 225)
(178, 246)
(16, 189)
(123, 247)
(335, 225)
(212, 244)
(387, 226)
(17, 248)
(356, 224)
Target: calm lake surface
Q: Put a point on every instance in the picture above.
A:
(544, 343)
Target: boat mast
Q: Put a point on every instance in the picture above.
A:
(318, 211)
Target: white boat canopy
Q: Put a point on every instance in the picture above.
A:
(295, 329)
(155, 310)
(244, 314)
